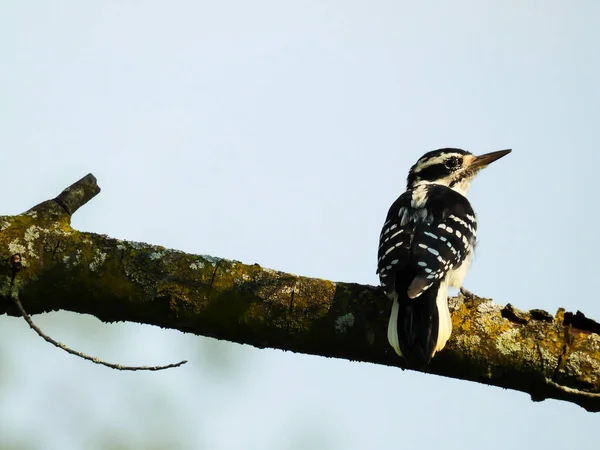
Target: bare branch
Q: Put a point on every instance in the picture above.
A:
(544, 355)
(69, 200)
(573, 392)
(16, 268)
(78, 194)
(81, 354)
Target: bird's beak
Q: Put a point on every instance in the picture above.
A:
(482, 161)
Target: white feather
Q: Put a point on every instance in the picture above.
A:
(393, 325)
(455, 278)
(463, 185)
(419, 196)
(444, 319)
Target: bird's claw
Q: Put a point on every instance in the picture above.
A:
(466, 293)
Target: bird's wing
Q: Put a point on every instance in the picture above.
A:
(443, 243)
(395, 242)
(425, 242)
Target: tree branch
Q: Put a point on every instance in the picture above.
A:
(64, 205)
(85, 356)
(544, 355)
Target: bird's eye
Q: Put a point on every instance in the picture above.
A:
(452, 163)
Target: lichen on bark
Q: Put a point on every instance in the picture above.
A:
(547, 356)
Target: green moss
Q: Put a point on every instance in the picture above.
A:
(118, 280)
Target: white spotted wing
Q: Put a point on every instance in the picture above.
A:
(419, 245)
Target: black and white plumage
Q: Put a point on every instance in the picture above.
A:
(426, 245)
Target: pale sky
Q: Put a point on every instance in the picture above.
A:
(280, 133)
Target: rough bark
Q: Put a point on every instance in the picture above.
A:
(547, 356)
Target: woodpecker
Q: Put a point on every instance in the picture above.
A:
(425, 246)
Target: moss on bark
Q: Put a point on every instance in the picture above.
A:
(547, 356)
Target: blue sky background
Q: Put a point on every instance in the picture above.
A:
(279, 133)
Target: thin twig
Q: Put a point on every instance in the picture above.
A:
(568, 390)
(80, 354)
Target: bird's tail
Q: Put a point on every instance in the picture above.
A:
(420, 327)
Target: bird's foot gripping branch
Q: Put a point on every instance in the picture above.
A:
(45, 265)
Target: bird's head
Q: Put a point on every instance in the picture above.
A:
(450, 167)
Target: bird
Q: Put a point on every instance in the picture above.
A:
(426, 245)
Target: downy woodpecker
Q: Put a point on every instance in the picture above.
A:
(426, 245)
